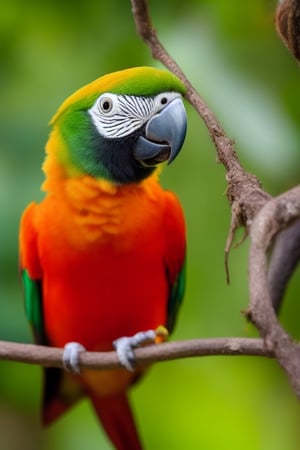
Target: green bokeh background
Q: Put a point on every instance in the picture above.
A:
(231, 53)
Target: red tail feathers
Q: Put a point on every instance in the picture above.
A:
(117, 419)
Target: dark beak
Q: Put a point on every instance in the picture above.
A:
(164, 136)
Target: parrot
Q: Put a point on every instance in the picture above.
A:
(103, 254)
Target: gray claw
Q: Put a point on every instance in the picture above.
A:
(71, 356)
(124, 347)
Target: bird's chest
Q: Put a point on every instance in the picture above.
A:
(97, 290)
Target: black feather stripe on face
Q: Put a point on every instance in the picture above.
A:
(100, 157)
(116, 157)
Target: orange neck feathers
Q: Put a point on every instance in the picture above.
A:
(98, 207)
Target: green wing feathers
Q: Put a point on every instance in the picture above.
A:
(31, 273)
(175, 298)
(34, 306)
(175, 262)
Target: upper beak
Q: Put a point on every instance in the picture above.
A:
(164, 135)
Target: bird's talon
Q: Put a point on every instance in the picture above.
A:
(124, 348)
(71, 356)
(125, 345)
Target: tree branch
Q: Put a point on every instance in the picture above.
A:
(242, 186)
(288, 25)
(52, 357)
(272, 218)
(252, 207)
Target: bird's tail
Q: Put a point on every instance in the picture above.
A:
(116, 417)
(60, 393)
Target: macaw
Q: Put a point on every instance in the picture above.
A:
(102, 256)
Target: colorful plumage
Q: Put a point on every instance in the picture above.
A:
(102, 256)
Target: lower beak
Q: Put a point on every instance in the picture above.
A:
(164, 136)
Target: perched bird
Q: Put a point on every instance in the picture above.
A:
(103, 254)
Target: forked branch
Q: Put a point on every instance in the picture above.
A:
(262, 216)
(252, 207)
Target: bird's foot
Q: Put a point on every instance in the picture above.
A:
(125, 345)
(71, 356)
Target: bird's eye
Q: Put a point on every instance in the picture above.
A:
(106, 104)
(163, 99)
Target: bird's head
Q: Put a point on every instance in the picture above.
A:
(122, 125)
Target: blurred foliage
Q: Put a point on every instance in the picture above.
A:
(231, 53)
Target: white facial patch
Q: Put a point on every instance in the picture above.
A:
(116, 116)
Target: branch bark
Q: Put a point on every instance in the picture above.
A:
(272, 218)
(252, 207)
(242, 186)
(52, 357)
(288, 25)
(263, 217)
